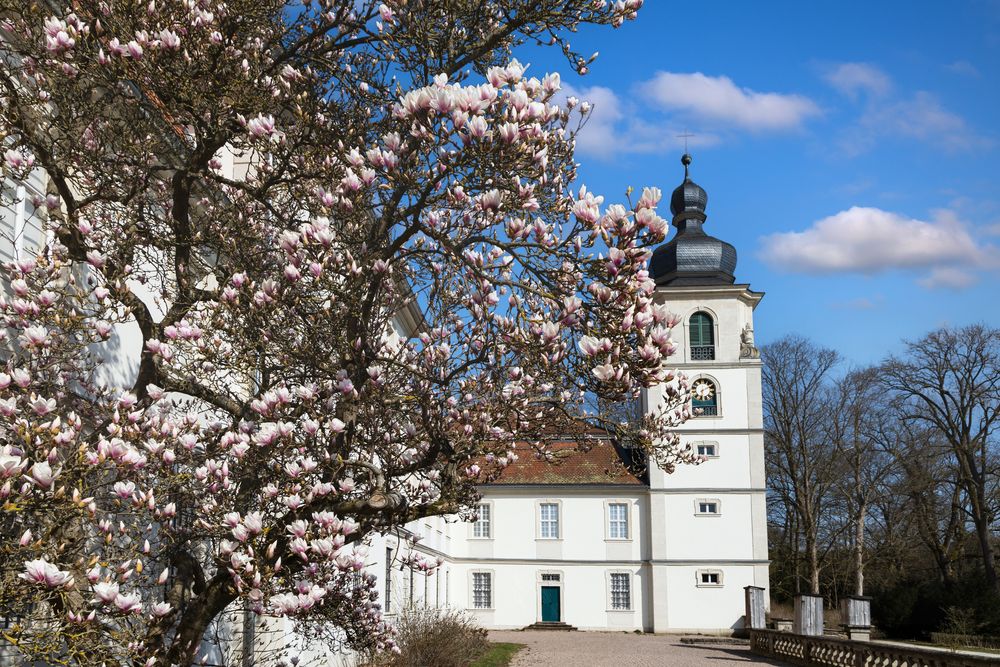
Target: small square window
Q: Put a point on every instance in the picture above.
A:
(709, 578)
(707, 507)
(707, 449)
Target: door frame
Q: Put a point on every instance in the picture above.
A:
(540, 582)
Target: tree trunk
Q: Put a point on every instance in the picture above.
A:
(198, 615)
(813, 549)
(986, 547)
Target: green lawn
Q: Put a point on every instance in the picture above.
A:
(498, 655)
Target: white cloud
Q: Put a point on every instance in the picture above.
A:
(870, 240)
(963, 68)
(949, 277)
(599, 136)
(920, 117)
(615, 128)
(718, 99)
(853, 78)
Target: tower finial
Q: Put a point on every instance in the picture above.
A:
(686, 160)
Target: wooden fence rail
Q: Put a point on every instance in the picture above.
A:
(831, 652)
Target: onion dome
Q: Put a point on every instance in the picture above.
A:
(689, 196)
(692, 257)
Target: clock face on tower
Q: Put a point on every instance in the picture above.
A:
(702, 390)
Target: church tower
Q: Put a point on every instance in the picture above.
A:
(708, 532)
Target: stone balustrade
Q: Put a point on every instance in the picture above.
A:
(832, 652)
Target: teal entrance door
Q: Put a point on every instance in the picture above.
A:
(550, 604)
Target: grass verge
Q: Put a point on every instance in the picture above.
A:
(499, 654)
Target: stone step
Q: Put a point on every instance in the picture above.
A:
(550, 625)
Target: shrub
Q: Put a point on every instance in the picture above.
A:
(434, 637)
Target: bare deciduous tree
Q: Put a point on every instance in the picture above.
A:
(801, 460)
(949, 381)
(859, 409)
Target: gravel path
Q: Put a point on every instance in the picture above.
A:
(620, 649)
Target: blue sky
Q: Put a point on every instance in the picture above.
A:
(851, 152)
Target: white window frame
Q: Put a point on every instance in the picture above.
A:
(629, 577)
(607, 520)
(489, 522)
(706, 443)
(538, 520)
(699, 574)
(472, 589)
(697, 507)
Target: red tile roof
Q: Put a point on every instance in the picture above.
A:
(596, 461)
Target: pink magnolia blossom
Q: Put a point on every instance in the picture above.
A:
(43, 573)
(128, 604)
(161, 609)
(169, 40)
(105, 592)
(42, 475)
(11, 464)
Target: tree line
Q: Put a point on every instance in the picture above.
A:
(884, 480)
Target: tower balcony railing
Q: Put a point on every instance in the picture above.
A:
(702, 352)
(705, 410)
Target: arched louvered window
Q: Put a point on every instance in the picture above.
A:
(704, 398)
(701, 334)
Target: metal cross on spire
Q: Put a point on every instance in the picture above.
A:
(685, 137)
(686, 158)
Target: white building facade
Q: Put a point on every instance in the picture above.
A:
(590, 545)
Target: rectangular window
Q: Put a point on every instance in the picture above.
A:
(709, 449)
(709, 578)
(549, 517)
(482, 590)
(483, 526)
(550, 576)
(618, 521)
(621, 591)
(707, 507)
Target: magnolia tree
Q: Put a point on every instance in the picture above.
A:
(218, 383)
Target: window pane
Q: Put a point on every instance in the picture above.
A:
(482, 590)
(549, 515)
(701, 329)
(482, 526)
(621, 593)
(618, 521)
